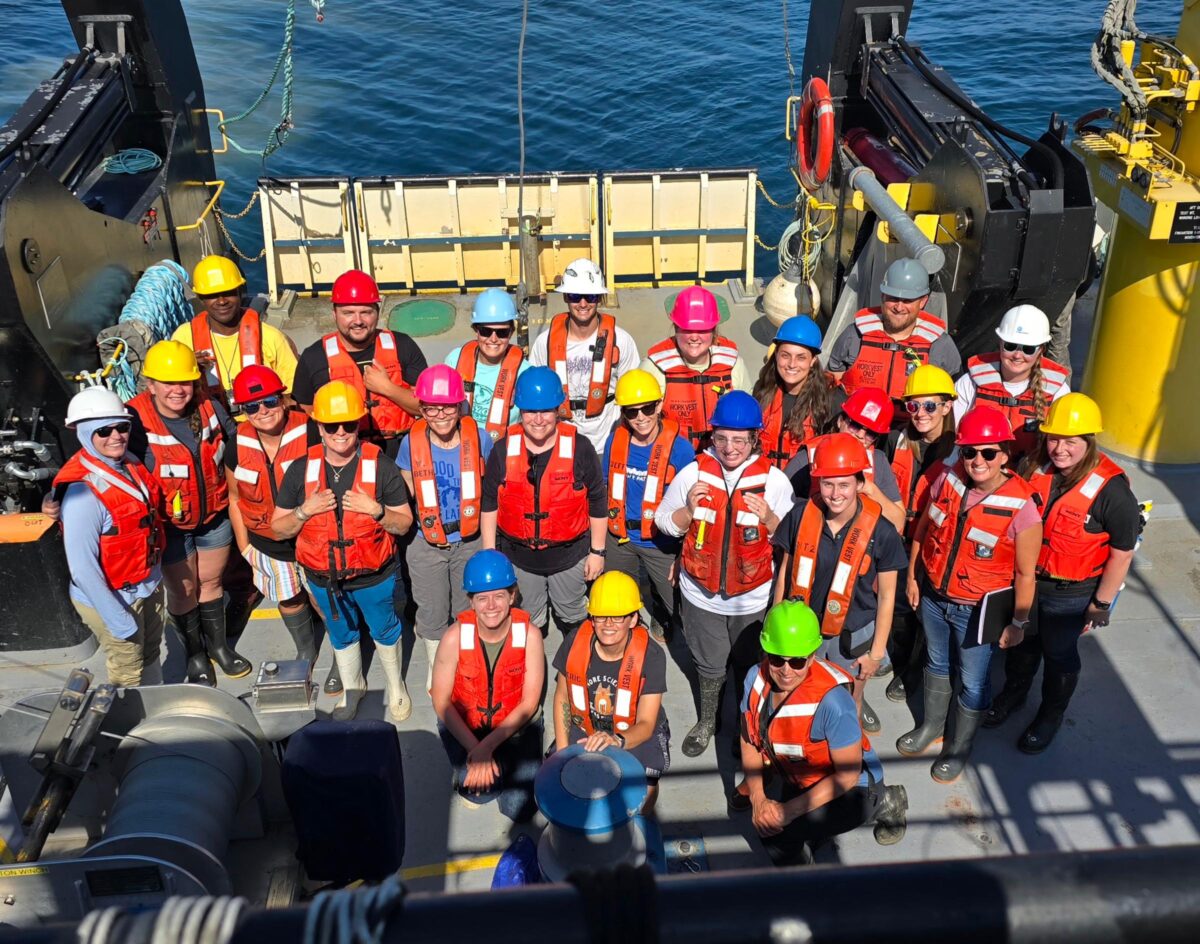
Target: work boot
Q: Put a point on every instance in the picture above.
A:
(870, 721)
(349, 663)
(957, 747)
(896, 690)
(933, 726)
(237, 612)
(333, 681)
(891, 819)
(395, 692)
(300, 628)
(1020, 666)
(152, 673)
(1057, 689)
(431, 648)
(697, 739)
(212, 626)
(199, 669)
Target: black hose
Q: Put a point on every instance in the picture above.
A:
(983, 118)
(68, 80)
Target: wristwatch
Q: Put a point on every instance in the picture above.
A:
(1101, 604)
(382, 512)
(599, 553)
(620, 739)
(1022, 625)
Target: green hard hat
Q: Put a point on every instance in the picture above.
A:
(790, 629)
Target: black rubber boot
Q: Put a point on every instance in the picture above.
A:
(300, 628)
(1057, 689)
(199, 668)
(212, 626)
(697, 739)
(891, 819)
(333, 681)
(1020, 666)
(933, 727)
(237, 613)
(870, 721)
(896, 690)
(957, 746)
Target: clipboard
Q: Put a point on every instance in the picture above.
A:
(993, 614)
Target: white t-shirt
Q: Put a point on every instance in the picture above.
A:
(965, 388)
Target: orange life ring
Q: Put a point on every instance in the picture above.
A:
(814, 145)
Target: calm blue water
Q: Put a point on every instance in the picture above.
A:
(429, 87)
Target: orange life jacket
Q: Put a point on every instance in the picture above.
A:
(884, 363)
(630, 681)
(502, 394)
(690, 394)
(779, 443)
(1069, 550)
(853, 562)
(789, 745)
(258, 477)
(727, 549)
(554, 511)
(659, 473)
(1021, 410)
(250, 351)
(133, 546)
(483, 697)
(914, 488)
(429, 512)
(384, 419)
(342, 544)
(605, 357)
(966, 552)
(191, 495)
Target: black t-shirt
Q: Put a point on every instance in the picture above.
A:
(886, 553)
(551, 560)
(181, 429)
(602, 678)
(312, 371)
(1114, 510)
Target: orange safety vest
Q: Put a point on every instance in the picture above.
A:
(853, 562)
(485, 696)
(552, 511)
(384, 419)
(691, 394)
(429, 512)
(1021, 410)
(341, 544)
(630, 681)
(788, 744)
(250, 350)
(779, 443)
(659, 473)
(914, 488)
(732, 555)
(192, 494)
(1069, 550)
(258, 477)
(502, 394)
(885, 363)
(966, 551)
(133, 546)
(605, 357)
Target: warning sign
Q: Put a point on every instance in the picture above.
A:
(1185, 226)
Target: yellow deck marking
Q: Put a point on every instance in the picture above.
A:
(455, 867)
(27, 870)
(262, 613)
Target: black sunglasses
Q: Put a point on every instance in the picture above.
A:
(646, 409)
(857, 427)
(970, 452)
(105, 431)
(1027, 349)
(795, 662)
(349, 426)
(914, 406)
(266, 403)
(575, 298)
(489, 331)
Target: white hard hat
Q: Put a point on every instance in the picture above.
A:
(584, 278)
(1024, 324)
(95, 403)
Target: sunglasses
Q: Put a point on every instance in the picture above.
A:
(331, 428)
(646, 409)
(915, 406)
(1027, 349)
(795, 662)
(491, 331)
(970, 452)
(855, 426)
(105, 431)
(575, 298)
(266, 403)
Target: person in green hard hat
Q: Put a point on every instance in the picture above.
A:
(799, 717)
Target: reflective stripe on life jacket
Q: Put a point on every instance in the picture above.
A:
(1069, 550)
(884, 363)
(484, 697)
(554, 510)
(429, 512)
(690, 395)
(258, 477)
(727, 549)
(605, 357)
(1021, 409)
(502, 394)
(659, 473)
(621, 705)
(250, 351)
(779, 444)
(384, 419)
(853, 561)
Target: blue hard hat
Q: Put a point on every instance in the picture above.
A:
(802, 330)
(488, 570)
(539, 388)
(493, 306)
(737, 410)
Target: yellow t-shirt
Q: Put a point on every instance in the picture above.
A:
(278, 354)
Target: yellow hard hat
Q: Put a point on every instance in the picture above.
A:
(216, 275)
(170, 362)
(338, 402)
(1074, 414)
(637, 386)
(927, 380)
(614, 594)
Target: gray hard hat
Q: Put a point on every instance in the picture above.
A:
(905, 278)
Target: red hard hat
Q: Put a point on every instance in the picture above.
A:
(255, 382)
(983, 426)
(355, 288)
(871, 408)
(839, 454)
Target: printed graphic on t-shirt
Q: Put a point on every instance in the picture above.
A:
(449, 480)
(579, 374)
(603, 690)
(482, 403)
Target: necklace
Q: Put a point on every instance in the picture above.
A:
(226, 365)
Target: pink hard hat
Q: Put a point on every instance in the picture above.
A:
(440, 383)
(695, 309)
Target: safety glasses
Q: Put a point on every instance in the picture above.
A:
(105, 431)
(574, 298)
(736, 442)
(916, 406)
(1027, 349)
(646, 409)
(970, 452)
(266, 403)
(794, 662)
(350, 426)
(493, 331)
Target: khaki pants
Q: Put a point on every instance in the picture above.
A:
(126, 659)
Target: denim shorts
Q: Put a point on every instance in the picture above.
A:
(183, 544)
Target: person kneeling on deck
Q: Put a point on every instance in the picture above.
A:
(798, 717)
(343, 506)
(491, 364)
(611, 680)
(489, 676)
(545, 505)
(442, 463)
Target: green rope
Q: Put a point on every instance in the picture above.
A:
(279, 134)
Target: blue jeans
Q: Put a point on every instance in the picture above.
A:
(519, 759)
(1060, 624)
(946, 623)
(183, 544)
(371, 605)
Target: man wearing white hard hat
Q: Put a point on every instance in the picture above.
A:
(588, 351)
(114, 539)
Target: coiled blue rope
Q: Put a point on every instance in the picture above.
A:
(353, 917)
(159, 301)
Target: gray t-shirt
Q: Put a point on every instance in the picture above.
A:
(844, 353)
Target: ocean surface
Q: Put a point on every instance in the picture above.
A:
(430, 87)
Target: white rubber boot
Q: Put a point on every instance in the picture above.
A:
(399, 704)
(431, 647)
(354, 686)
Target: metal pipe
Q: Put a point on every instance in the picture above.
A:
(19, 471)
(40, 451)
(916, 243)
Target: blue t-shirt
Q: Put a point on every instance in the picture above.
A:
(485, 385)
(636, 464)
(447, 470)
